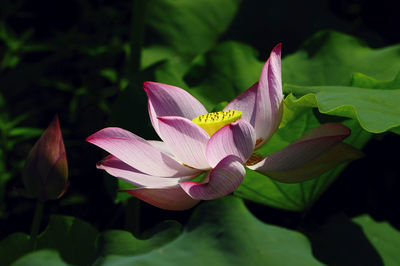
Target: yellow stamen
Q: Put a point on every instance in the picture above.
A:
(212, 122)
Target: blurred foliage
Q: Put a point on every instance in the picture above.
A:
(68, 229)
(330, 58)
(86, 61)
(360, 240)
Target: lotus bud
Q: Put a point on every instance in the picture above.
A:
(45, 174)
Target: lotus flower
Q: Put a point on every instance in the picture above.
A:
(219, 144)
(45, 174)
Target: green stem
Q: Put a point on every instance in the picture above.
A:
(37, 218)
(138, 23)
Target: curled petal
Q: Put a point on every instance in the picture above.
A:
(223, 180)
(261, 104)
(138, 153)
(171, 198)
(118, 168)
(186, 140)
(167, 100)
(237, 138)
(305, 150)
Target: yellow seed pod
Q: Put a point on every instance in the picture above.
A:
(212, 122)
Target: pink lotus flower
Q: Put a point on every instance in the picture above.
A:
(219, 144)
(45, 174)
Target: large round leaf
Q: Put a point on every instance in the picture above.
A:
(220, 232)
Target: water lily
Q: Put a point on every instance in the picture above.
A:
(219, 144)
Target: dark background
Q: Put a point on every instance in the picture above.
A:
(62, 47)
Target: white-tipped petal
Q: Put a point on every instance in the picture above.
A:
(138, 153)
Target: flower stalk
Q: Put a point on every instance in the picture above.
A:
(37, 219)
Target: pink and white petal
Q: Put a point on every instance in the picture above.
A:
(269, 98)
(261, 104)
(237, 138)
(186, 140)
(340, 153)
(138, 153)
(167, 100)
(161, 146)
(223, 180)
(326, 130)
(304, 150)
(118, 168)
(246, 102)
(172, 198)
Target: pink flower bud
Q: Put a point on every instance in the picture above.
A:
(45, 174)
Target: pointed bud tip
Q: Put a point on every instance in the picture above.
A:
(147, 85)
(88, 139)
(277, 49)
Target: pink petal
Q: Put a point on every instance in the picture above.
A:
(167, 100)
(338, 154)
(237, 138)
(138, 153)
(186, 140)
(118, 168)
(223, 180)
(161, 146)
(269, 107)
(172, 198)
(326, 130)
(261, 104)
(304, 150)
(246, 102)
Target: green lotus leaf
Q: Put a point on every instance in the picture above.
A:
(220, 232)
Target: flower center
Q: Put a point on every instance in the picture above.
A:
(212, 122)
